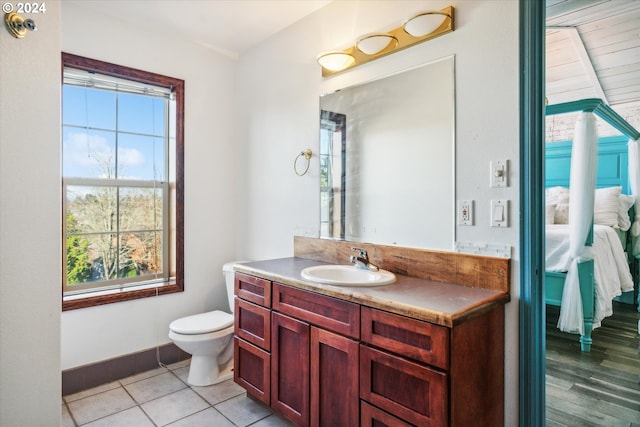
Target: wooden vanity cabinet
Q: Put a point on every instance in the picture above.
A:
(323, 361)
(252, 340)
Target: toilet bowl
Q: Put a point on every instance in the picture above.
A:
(208, 337)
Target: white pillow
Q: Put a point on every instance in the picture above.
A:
(562, 214)
(549, 214)
(625, 202)
(556, 195)
(606, 206)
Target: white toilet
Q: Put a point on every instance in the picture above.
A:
(208, 337)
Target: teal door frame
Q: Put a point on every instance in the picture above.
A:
(532, 319)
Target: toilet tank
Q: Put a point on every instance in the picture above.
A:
(227, 271)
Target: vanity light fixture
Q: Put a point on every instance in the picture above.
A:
(373, 44)
(422, 27)
(336, 61)
(423, 23)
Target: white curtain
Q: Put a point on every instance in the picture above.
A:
(582, 185)
(634, 181)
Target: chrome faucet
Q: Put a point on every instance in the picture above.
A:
(362, 260)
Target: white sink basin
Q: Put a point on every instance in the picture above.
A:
(347, 275)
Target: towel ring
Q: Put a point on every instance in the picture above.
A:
(307, 155)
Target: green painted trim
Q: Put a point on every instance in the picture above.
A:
(587, 105)
(600, 109)
(532, 308)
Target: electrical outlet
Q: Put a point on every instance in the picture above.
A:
(465, 212)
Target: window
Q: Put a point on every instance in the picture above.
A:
(122, 183)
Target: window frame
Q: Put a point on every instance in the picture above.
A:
(338, 121)
(92, 299)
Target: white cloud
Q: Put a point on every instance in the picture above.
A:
(130, 157)
(86, 150)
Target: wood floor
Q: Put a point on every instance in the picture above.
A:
(600, 388)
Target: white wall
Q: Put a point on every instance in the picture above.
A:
(278, 113)
(93, 334)
(30, 224)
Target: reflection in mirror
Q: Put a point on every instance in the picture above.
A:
(387, 160)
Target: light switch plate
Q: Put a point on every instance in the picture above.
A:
(499, 213)
(499, 173)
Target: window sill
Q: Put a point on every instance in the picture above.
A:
(118, 295)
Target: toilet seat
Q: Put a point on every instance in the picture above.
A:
(202, 323)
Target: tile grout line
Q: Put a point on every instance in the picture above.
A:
(206, 401)
(138, 404)
(73, 419)
(120, 384)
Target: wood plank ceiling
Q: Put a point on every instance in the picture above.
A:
(593, 51)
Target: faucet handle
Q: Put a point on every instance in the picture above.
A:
(361, 252)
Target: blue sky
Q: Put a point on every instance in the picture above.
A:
(89, 134)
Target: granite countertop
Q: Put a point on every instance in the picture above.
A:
(444, 304)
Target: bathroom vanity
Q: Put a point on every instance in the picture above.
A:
(418, 352)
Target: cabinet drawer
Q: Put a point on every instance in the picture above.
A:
(252, 369)
(253, 323)
(415, 339)
(370, 416)
(405, 389)
(253, 289)
(326, 312)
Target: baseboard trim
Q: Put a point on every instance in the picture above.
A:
(106, 371)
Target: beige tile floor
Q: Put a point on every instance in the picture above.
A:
(162, 397)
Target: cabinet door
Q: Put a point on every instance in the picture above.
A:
(408, 390)
(253, 323)
(290, 368)
(252, 370)
(334, 380)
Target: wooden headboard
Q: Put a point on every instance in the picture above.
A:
(613, 163)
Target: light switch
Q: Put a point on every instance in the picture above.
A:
(499, 172)
(499, 213)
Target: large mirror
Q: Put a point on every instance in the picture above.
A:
(387, 156)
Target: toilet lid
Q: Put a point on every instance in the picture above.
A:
(202, 323)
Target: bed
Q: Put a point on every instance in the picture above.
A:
(604, 268)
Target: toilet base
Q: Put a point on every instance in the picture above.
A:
(204, 371)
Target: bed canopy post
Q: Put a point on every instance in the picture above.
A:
(634, 184)
(576, 317)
